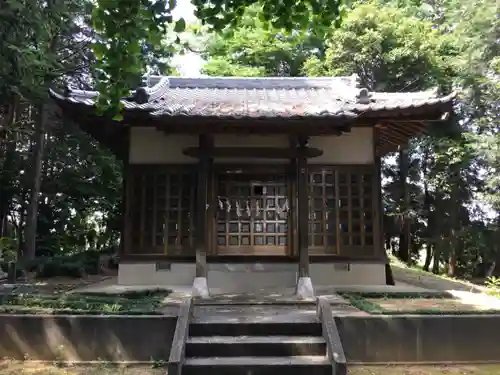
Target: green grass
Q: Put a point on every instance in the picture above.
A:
(399, 295)
(360, 301)
(133, 303)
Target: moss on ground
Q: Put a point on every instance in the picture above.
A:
(133, 303)
(364, 302)
(32, 368)
(424, 370)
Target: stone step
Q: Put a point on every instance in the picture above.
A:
(313, 365)
(255, 327)
(265, 346)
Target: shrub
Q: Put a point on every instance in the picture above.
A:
(89, 261)
(56, 267)
(4, 266)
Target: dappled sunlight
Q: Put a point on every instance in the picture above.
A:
(424, 370)
(255, 313)
(480, 301)
(8, 367)
(86, 338)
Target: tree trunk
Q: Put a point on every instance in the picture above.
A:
(454, 223)
(389, 277)
(22, 216)
(437, 257)
(495, 271)
(404, 236)
(429, 243)
(452, 256)
(428, 256)
(9, 146)
(39, 148)
(32, 211)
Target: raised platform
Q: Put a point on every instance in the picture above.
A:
(237, 278)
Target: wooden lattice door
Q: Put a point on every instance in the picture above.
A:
(252, 213)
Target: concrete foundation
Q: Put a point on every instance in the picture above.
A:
(305, 288)
(200, 287)
(251, 277)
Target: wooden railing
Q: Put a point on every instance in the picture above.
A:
(334, 348)
(176, 359)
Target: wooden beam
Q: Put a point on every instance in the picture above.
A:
(410, 127)
(389, 134)
(303, 207)
(386, 140)
(204, 168)
(404, 135)
(378, 212)
(252, 152)
(292, 197)
(126, 227)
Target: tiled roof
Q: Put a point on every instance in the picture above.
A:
(260, 97)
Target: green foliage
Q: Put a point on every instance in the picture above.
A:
(389, 51)
(75, 265)
(57, 268)
(139, 303)
(124, 27)
(494, 284)
(392, 45)
(407, 46)
(8, 252)
(256, 50)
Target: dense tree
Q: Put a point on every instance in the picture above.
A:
(254, 49)
(50, 200)
(432, 186)
(124, 27)
(60, 190)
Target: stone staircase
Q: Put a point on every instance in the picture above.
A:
(255, 340)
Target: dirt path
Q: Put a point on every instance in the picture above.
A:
(426, 370)
(31, 368)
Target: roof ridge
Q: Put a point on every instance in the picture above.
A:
(263, 83)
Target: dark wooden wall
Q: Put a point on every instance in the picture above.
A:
(160, 222)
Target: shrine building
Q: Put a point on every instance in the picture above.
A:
(241, 184)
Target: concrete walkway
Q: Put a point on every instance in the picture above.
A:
(468, 294)
(407, 281)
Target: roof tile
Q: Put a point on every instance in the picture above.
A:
(262, 97)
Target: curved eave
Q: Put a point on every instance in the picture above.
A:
(156, 111)
(396, 123)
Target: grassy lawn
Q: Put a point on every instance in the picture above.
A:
(134, 303)
(425, 370)
(413, 303)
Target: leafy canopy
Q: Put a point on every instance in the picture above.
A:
(126, 27)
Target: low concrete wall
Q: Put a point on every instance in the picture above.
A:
(86, 338)
(412, 339)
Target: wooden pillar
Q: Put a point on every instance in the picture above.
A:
(303, 208)
(378, 212)
(125, 232)
(200, 286)
(378, 219)
(292, 197)
(304, 285)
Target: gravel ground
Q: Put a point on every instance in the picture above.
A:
(426, 370)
